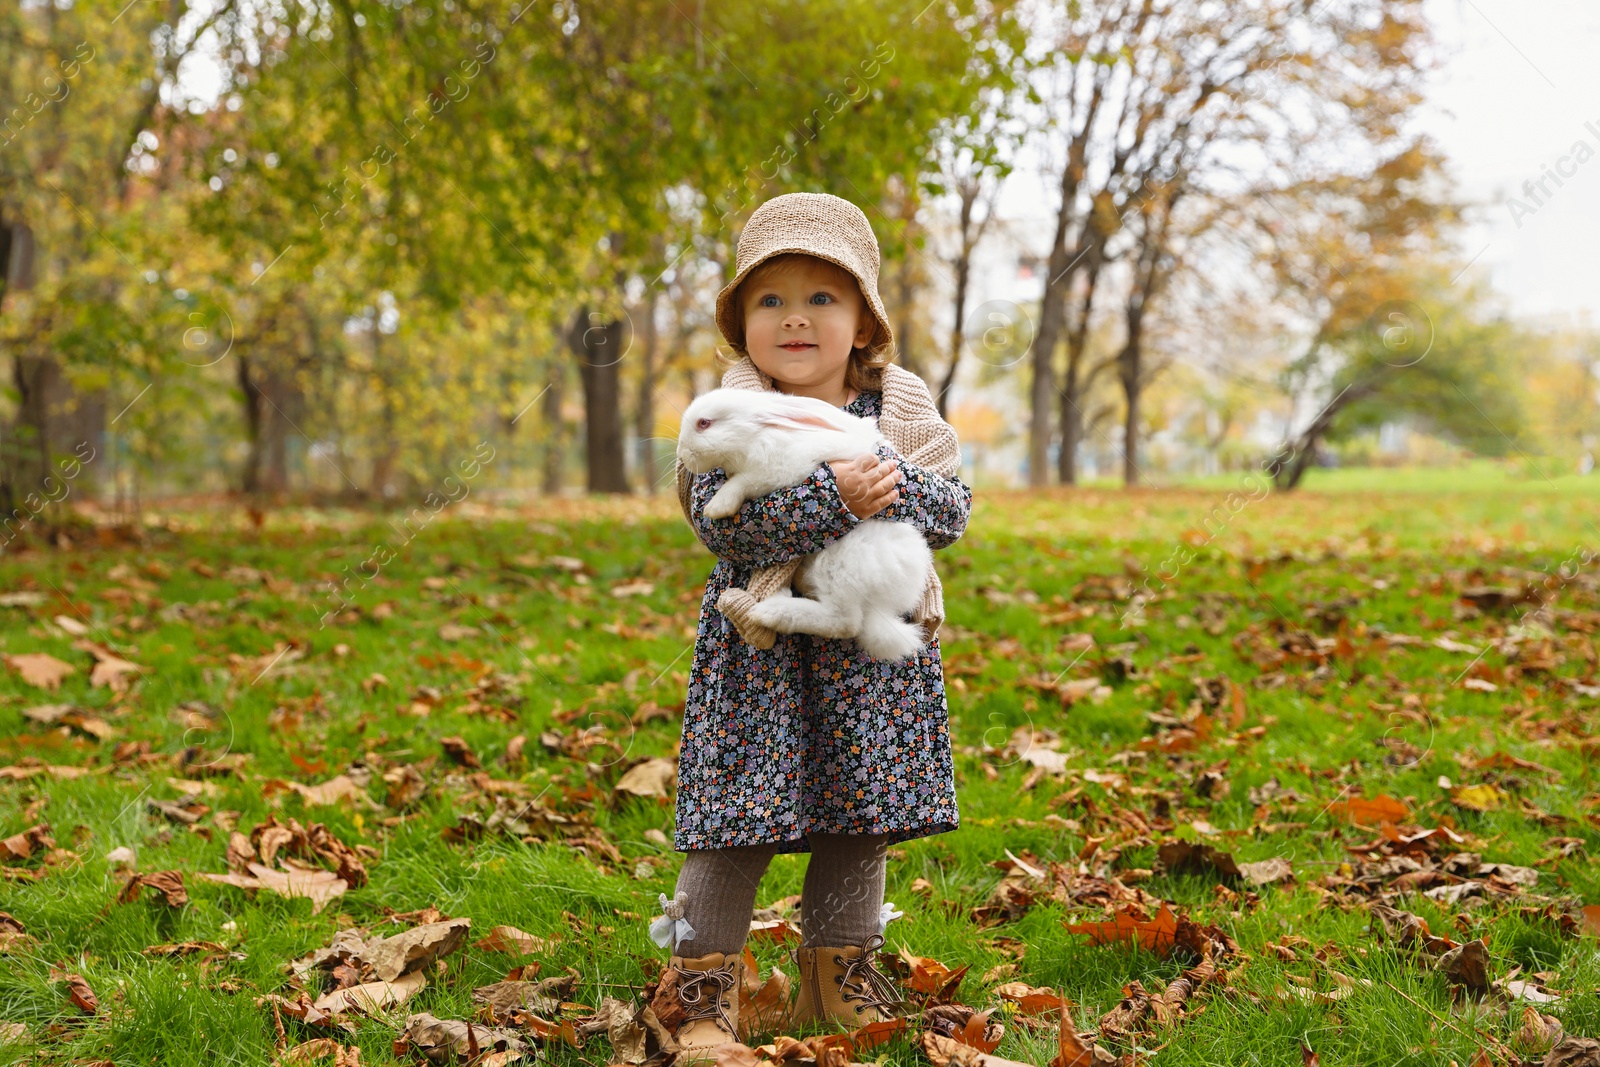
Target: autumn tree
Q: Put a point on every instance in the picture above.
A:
(1178, 100)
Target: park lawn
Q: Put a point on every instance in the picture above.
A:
(1294, 652)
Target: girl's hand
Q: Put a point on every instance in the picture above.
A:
(867, 484)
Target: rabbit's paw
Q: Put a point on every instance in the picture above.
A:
(726, 502)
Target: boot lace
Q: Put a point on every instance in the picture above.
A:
(861, 980)
(693, 994)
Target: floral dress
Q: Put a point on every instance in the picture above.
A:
(811, 734)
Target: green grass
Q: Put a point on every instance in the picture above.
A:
(1389, 553)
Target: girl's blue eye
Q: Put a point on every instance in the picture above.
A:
(824, 296)
(764, 300)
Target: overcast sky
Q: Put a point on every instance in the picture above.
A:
(1514, 97)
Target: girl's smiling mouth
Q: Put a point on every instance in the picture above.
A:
(796, 346)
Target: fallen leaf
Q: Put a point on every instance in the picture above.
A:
(168, 883)
(415, 948)
(1268, 871)
(20, 846)
(82, 996)
(945, 1051)
(442, 1040)
(340, 787)
(1372, 811)
(1519, 989)
(1538, 1032)
(458, 751)
(110, 670)
(308, 1052)
(1032, 1000)
(1467, 965)
(372, 997)
(633, 589)
(319, 887)
(40, 669)
(1130, 925)
(1574, 1052)
(510, 939)
(650, 778)
(186, 948)
(1478, 797)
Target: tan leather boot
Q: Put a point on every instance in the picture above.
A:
(708, 991)
(842, 985)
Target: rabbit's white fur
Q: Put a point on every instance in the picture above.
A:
(859, 585)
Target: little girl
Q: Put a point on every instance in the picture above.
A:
(806, 746)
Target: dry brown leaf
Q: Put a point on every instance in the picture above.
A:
(415, 948)
(650, 778)
(1268, 871)
(1032, 1000)
(308, 1052)
(372, 997)
(945, 1051)
(20, 846)
(460, 752)
(1574, 1052)
(319, 887)
(168, 883)
(186, 948)
(340, 787)
(1130, 925)
(1479, 797)
(1372, 811)
(1074, 1051)
(762, 1005)
(81, 995)
(40, 669)
(510, 939)
(1538, 1031)
(1467, 965)
(443, 1040)
(110, 670)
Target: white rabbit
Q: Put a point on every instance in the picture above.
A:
(859, 585)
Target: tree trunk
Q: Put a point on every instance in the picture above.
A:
(1072, 422)
(1130, 360)
(266, 465)
(556, 430)
(645, 409)
(963, 265)
(907, 353)
(599, 347)
(1072, 427)
(1286, 471)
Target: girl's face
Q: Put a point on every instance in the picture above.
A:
(800, 325)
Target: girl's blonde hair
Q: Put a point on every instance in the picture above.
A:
(865, 370)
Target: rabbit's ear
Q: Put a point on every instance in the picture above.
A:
(796, 420)
(792, 414)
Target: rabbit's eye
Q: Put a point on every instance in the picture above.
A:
(702, 424)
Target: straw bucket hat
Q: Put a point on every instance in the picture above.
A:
(817, 224)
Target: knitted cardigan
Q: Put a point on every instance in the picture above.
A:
(911, 423)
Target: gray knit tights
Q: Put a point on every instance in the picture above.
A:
(839, 901)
